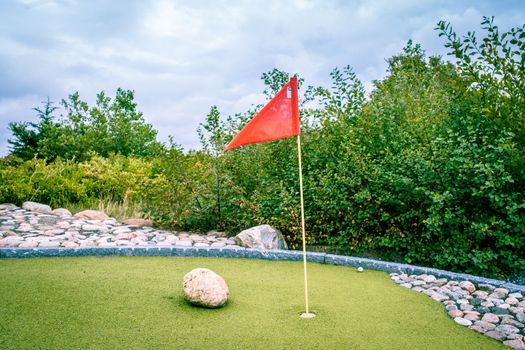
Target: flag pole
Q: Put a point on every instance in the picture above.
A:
(307, 313)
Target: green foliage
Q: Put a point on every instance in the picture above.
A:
(495, 66)
(110, 127)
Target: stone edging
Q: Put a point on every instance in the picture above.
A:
(290, 255)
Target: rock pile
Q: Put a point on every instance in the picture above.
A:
(495, 312)
(36, 225)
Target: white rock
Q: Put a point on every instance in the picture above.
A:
(90, 227)
(37, 207)
(205, 288)
(49, 244)
(439, 297)
(429, 278)
(184, 243)
(28, 244)
(463, 322)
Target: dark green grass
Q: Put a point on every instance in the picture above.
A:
(136, 303)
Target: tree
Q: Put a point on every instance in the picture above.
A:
(110, 127)
(495, 67)
(27, 136)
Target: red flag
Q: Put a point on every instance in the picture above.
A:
(277, 120)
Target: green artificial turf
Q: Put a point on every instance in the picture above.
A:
(136, 303)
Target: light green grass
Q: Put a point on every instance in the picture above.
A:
(136, 303)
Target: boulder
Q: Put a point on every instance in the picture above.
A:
(38, 207)
(203, 287)
(61, 212)
(7, 206)
(92, 215)
(138, 222)
(261, 237)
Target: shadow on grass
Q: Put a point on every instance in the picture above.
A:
(182, 304)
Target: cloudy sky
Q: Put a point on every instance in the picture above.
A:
(182, 57)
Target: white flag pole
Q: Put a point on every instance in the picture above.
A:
(307, 313)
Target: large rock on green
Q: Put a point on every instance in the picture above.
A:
(203, 287)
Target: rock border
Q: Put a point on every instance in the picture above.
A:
(287, 255)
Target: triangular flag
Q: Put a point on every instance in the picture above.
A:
(277, 120)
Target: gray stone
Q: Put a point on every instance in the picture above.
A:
(466, 307)
(439, 297)
(451, 307)
(28, 244)
(455, 313)
(89, 227)
(512, 301)
(471, 317)
(37, 207)
(418, 283)
(184, 243)
(507, 329)
(483, 327)
(516, 344)
(512, 322)
(428, 278)
(49, 244)
(496, 335)
(261, 237)
(489, 317)
(467, 285)
(53, 232)
(520, 317)
(501, 292)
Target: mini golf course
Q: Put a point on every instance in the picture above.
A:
(136, 303)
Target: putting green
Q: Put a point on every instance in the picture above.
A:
(136, 303)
